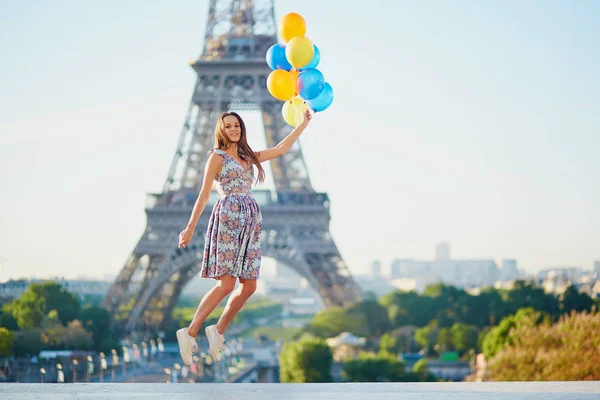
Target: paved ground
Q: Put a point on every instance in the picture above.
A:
(350, 391)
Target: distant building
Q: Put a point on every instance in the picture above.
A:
(557, 280)
(378, 287)
(14, 288)
(461, 273)
(442, 251)
(300, 306)
(509, 270)
(566, 273)
(375, 270)
(597, 267)
(409, 274)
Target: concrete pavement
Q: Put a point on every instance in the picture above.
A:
(325, 391)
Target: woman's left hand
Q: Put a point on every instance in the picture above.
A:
(307, 117)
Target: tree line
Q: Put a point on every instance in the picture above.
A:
(441, 318)
(48, 317)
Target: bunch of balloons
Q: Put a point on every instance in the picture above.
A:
(295, 78)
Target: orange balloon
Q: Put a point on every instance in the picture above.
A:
(292, 25)
(281, 84)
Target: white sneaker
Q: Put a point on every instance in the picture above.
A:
(187, 346)
(215, 341)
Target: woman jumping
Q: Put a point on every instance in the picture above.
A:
(232, 245)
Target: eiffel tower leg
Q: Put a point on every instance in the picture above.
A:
(168, 295)
(310, 251)
(174, 272)
(335, 284)
(117, 290)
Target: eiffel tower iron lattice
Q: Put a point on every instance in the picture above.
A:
(232, 74)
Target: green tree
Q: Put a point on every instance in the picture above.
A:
(308, 360)
(7, 342)
(7, 320)
(444, 340)
(366, 318)
(373, 318)
(389, 344)
(426, 337)
(464, 337)
(485, 309)
(563, 351)
(572, 300)
(449, 303)
(370, 367)
(39, 299)
(525, 294)
(405, 337)
(28, 342)
(499, 336)
(77, 338)
(53, 332)
(421, 371)
(97, 321)
(408, 308)
(333, 321)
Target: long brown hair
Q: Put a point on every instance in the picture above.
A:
(244, 150)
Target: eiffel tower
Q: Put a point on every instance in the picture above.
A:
(232, 74)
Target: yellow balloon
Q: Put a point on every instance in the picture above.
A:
(299, 51)
(281, 84)
(292, 25)
(293, 111)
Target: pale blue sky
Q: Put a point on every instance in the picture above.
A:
(477, 122)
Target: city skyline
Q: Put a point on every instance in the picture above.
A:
(473, 123)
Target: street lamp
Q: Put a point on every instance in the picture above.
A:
(42, 373)
(145, 352)
(115, 362)
(103, 366)
(125, 359)
(60, 376)
(74, 368)
(161, 347)
(177, 372)
(90, 368)
(136, 355)
(152, 350)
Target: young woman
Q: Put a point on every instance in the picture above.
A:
(232, 247)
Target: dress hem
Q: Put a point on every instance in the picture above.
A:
(216, 277)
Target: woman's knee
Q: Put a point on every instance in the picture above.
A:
(226, 284)
(248, 286)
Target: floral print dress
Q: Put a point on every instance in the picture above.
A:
(232, 244)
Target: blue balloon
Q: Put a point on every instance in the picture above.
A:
(324, 100)
(310, 83)
(315, 60)
(276, 58)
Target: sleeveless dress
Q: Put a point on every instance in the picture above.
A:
(232, 243)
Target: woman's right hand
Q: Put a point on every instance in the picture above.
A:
(185, 236)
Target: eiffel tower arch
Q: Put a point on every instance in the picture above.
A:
(232, 74)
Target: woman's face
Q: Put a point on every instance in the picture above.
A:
(233, 131)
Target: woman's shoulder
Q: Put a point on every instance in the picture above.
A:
(217, 151)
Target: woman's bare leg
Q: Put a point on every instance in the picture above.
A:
(210, 301)
(235, 303)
